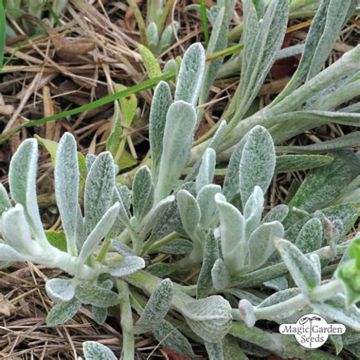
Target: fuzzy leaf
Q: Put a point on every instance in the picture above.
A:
(214, 350)
(207, 169)
(151, 65)
(189, 211)
(7, 253)
(206, 201)
(335, 309)
(261, 243)
(161, 102)
(178, 135)
(157, 307)
(67, 188)
(289, 163)
(143, 192)
(310, 237)
(277, 213)
(262, 39)
(253, 210)
(191, 74)
(4, 200)
(62, 312)
(96, 295)
(209, 318)
(16, 231)
(60, 290)
(257, 162)
(211, 254)
(96, 351)
(231, 182)
(232, 229)
(156, 213)
(220, 275)
(99, 187)
(100, 314)
(300, 267)
(22, 181)
(99, 232)
(170, 337)
(323, 185)
(127, 266)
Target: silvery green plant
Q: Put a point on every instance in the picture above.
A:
(312, 97)
(218, 231)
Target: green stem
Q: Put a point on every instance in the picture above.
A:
(126, 321)
(298, 302)
(204, 22)
(104, 249)
(153, 246)
(140, 21)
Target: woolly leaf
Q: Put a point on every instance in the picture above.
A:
(7, 253)
(99, 232)
(127, 266)
(191, 74)
(289, 163)
(143, 193)
(253, 210)
(22, 181)
(60, 290)
(96, 351)
(100, 314)
(67, 188)
(16, 231)
(170, 337)
(220, 275)
(335, 309)
(310, 237)
(4, 200)
(99, 189)
(62, 312)
(156, 213)
(206, 201)
(209, 318)
(261, 243)
(151, 65)
(232, 229)
(161, 102)
(257, 162)
(207, 169)
(178, 134)
(211, 254)
(300, 267)
(157, 307)
(96, 295)
(214, 350)
(277, 213)
(189, 211)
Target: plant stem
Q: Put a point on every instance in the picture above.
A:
(298, 302)
(104, 249)
(151, 247)
(140, 21)
(128, 349)
(204, 22)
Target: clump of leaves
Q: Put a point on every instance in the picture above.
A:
(220, 232)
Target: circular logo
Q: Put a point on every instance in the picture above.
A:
(312, 330)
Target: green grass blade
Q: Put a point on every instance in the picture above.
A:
(204, 22)
(148, 84)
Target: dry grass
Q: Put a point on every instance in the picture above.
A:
(71, 66)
